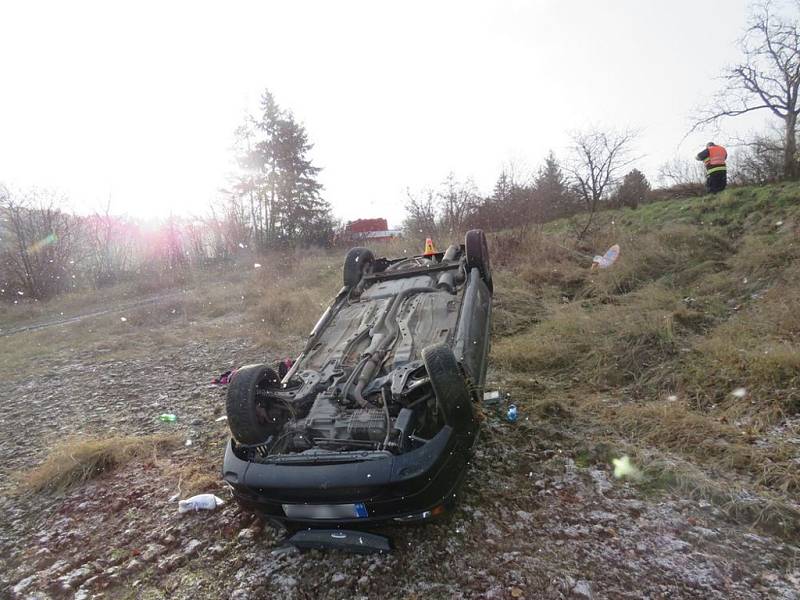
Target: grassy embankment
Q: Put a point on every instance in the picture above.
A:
(686, 351)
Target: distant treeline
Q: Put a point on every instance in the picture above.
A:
(45, 250)
(274, 201)
(594, 177)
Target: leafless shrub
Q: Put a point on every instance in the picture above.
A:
(758, 160)
(444, 212)
(36, 258)
(109, 245)
(598, 159)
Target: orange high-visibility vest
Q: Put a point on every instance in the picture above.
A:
(716, 157)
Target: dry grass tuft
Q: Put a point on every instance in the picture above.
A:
(198, 478)
(291, 298)
(609, 345)
(678, 428)
(674, 255)
(774, 513)
(757, 349)
(80, 459)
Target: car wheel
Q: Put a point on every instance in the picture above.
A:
(246, 424)
(478, 255)
(449, 387)
(356, 263)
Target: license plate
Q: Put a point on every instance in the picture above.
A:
(325, 511)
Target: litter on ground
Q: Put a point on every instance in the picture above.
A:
(608, 259)
(200, 502)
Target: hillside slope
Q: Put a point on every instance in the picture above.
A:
(687, 348)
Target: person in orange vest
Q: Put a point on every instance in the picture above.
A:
(714, 157)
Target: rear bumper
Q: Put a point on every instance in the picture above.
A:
(399, 488)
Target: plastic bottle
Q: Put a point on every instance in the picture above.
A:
(199, 502)
(511, 415)
(168, 418)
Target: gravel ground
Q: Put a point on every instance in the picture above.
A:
(531, 522)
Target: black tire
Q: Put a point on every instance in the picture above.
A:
(356, 263)
(449, 387)
(246, 426)
(478, 255)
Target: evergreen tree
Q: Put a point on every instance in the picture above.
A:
(510, 205)
(502, 188)
(552, 194)
(634, 190)
(278, 181)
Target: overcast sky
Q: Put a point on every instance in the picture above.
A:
(138, 100)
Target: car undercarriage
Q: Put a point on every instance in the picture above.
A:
(394, 363)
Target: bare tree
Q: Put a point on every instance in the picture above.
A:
(767, 79)
(109, 241)
(447, 211)
(457, 200)
(759, 159)
(37, 258)
(680, 178)
(682, 172)
(421, 213)
(199, 243)
(597, 162)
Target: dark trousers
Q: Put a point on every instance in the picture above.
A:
(716, 182)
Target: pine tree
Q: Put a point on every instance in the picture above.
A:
(277, 180)
(510, 205)
(552, 194)
(303, 209)
(633, 190)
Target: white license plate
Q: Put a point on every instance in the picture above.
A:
(325, 511)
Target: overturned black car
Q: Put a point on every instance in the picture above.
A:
(374, 422)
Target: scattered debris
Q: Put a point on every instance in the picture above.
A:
(493, 397)
(511, 415)
(167, 418)
(200, 502)
(224, 379)
(608, 259)
(624, 468)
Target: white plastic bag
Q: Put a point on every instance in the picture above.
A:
(200, 502)
(608, 259)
